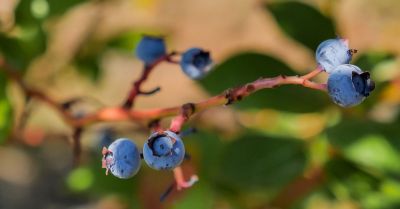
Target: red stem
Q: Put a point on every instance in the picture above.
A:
(181, 183)
(136, 88)
(122, 114)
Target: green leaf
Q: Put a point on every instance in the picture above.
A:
(5, 111)
(302, 22)
(255, 161)
(209, 146)
(89, 67)
(250, 66)
(25, 43)
(57, 7)
(374, 151)
(32, 10)
(126, 41)
(345, 179)
(20, 51)
(368, 143)
(369, 60)
(199, 197)
(80, 179)
(5, 119)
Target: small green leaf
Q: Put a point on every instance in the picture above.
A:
(367, 143)
(302, 22)
(5, 112)
(126, 41)
(255, 161)
(80, 179)
(199, 197)
(369, 60)
(25, 43)
(345, 179)
(57, 7)
(20, 51)
(89, 67)
(374, 151)
(247, 67)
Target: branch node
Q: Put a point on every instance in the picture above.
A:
(232, 95)
(250, 88)
(188, 109)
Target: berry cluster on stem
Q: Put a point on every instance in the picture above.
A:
(347, 85)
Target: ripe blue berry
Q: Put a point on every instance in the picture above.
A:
(150, 48)
(164, 151)
(332, 53)
(122, 158)
(196, 62)
(348, 85)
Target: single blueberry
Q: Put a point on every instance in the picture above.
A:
(164, 151)
(150, 49)
(348, 85)
(332, 53)
(122, 158)
(196, 63)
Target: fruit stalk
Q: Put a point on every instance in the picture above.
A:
(136, 87)
(181, 183)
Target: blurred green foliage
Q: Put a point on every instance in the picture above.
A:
(302, 22)
(285, 98)
(365, 168)
(254, 161)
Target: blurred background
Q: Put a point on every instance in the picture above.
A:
(288, 147)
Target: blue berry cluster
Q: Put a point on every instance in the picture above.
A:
(195, 62)
(348, 85)
(162, 151)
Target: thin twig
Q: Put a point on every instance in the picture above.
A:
(181, 183)
(77, 148)
(136, 88)
(182, 113)
(123, 114)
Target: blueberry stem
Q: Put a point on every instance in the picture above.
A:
(125, 114)
(181, 183)
(167, 191)
(312, 74)
(136, 87)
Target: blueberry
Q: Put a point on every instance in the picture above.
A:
(196, 62)
(150, 49)
(122, 158)
(164, 151)
(332, 53)
(349, 86)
